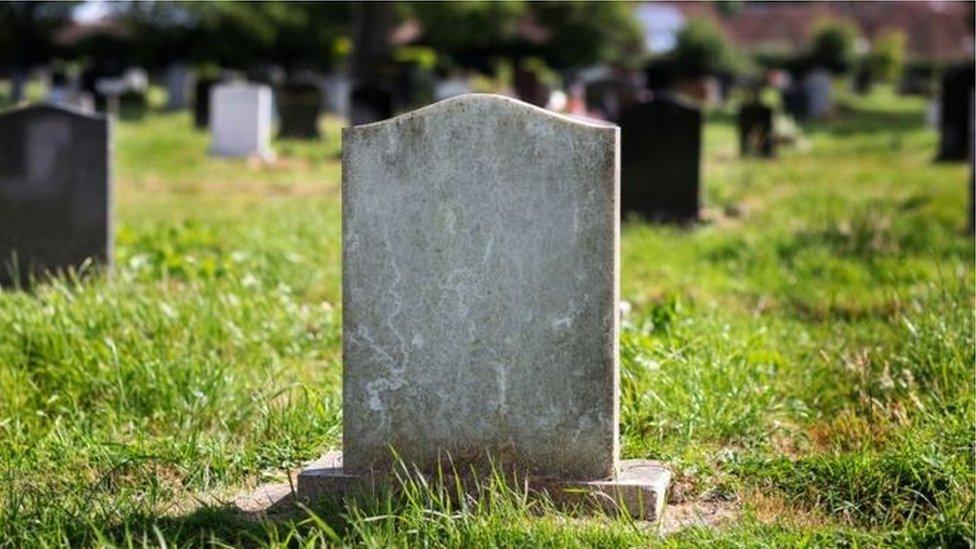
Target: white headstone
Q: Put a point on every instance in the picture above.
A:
(240, 120)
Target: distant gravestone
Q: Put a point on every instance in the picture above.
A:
(756, 131)
(661, 159)
(299, 106)
(795, 101)
(369, 104)
(178, 77)
(55, 192)
(201, 102)
(817, 85)
(480, 299)
(240, 120)
(954, 141)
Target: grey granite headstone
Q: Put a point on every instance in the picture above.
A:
(479, 288)
(55, 191)
(480, 281)
(817, 85)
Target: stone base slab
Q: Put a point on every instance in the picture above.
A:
(639, 489)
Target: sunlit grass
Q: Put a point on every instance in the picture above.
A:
(806, 355)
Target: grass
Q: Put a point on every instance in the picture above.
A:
(807, 355)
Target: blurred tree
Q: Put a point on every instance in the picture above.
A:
(471, 33)
(241, 34)
(26, 36)
(587, 33)
(701, 48)
(563, 34)
(887, 56)
(832, 45)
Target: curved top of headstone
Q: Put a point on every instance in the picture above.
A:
(486, 101)
(51, 107)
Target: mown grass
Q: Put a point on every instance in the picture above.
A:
(806, 356)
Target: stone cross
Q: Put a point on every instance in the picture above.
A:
(661, 154)
(480, 280)
(55, 192)
(240, 120)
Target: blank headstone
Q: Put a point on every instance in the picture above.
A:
(479, 289)
(368, 104)
(240, 120)
(661, 159)
(201, 102)
(954, 142)
(817, 85)
(299, 106)
(178, 77)
(55, 191)
(756, 130)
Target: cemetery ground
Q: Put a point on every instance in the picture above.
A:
(803, 360)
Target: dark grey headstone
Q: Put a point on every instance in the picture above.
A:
(299, 106)
(370, 104)
(201, 102)
(957, 84)
(55, 192)
(756, 131)
(660, 160)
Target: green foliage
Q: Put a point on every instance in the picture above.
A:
(701, 48)
(887, 56)
(832, 45)
(587, 33)
(27, 31)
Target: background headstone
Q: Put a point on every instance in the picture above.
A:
(240, 120)
(201, 101)
(370, 104)
(178, 78)
(756, 130)
(954, 141)
(817, 85)
(661, 159)
(299, 107)
(55, 191)
(479, 289)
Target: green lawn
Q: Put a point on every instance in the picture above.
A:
(804, 359)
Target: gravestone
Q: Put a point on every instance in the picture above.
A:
(480, 281)
(817, 86)
(299, 106)
(954, 142)
(55, 192)
(370, 103)
(240, 120)
(756, 131)
(661, 158)
(178, 77)
(201, 102)
(795, 101)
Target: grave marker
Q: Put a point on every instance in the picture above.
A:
(480, 276)
(954, 141)
(299, 106)
(756, 131)
(817, 85)
(661, 159)
(55, 192)
(240, 120)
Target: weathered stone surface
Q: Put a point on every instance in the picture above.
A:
(661, 155)
(55, 191)
(638, 489)
(480, 273)
(240, 120)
